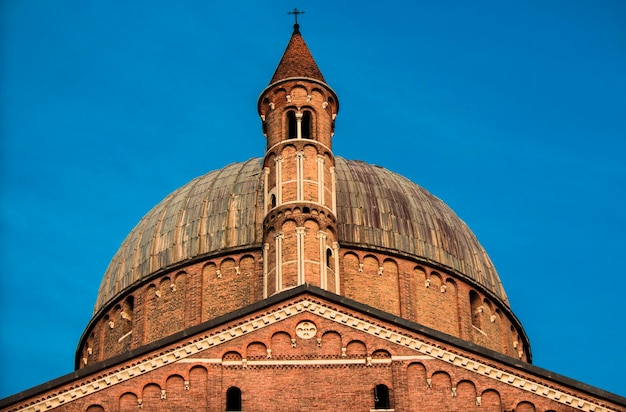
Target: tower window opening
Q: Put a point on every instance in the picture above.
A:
(306, 125)
(273, 201)
(329, 256)
(233, 399)
(381, 397)
(292, 127)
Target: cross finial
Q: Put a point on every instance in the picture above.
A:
(295, 13)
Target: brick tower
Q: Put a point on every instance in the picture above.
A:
(298, 110)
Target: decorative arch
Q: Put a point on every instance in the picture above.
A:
(128, 401)
(436, 281)
(490, 400)
(181, 278)
(525, 406)
(466, 394)
(381, 354)
(175, 389)
(227, 268)
(280, 343)
(164, 283)
(331, 343)
(356, 348)
(231, 356)
(256, 350)
(151, 396)
(441, 381)
(280, 90)
(370, 264)
(417, 383)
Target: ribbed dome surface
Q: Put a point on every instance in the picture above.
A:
(222, 211)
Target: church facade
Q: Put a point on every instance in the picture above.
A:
(303, 281)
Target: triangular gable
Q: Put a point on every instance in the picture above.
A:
(411, 344)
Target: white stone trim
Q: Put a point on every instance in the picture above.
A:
(299, 115)
(278, 239)
(266, 247)
(336, 257)
(320, 179)
(299, 175)
(300, 233)
(333, 190)
(321, 235)
(279, 177)
(185, 352)
(266, 174)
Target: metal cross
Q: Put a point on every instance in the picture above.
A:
(295, 12)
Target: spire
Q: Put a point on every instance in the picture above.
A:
(297, 60)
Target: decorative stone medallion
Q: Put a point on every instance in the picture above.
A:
(306, 329)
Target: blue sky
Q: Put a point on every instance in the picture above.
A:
(512, 112)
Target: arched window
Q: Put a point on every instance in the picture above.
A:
(329, 255)
(476, 309)
(381, 397)
(233, 399)
(273, 201)
(292, 128)
(306, 125)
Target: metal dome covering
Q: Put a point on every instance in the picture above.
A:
(223, 210)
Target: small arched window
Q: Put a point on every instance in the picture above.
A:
(476, 308)
(329, 256)
(306, 125)
(381, 397)
(233, 399)
(292, 128)
(273, 201)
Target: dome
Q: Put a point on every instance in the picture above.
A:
(222, 211)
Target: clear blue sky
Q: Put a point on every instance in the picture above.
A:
(512, 112)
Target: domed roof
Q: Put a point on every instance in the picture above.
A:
(223, 210)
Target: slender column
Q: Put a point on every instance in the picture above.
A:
(300, 232)
(299, 125)
(279, 180)
(320, 179)
(266, 174)
(336, 257)
(333, 189)
(266, 248)
(323, 268)
(299, 175)
(278, 237)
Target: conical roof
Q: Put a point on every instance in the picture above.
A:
(297, 61)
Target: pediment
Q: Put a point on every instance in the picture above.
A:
(310, 330)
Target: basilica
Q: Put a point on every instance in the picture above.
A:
(303, 281)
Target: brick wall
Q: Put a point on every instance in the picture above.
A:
(403, 288)
(337, 368)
